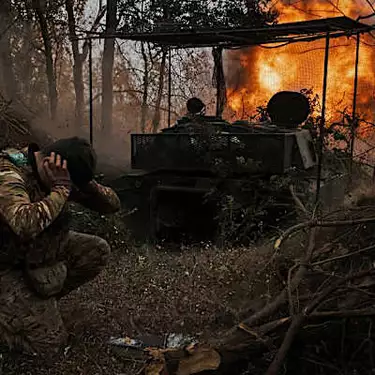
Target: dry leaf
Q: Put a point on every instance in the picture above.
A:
(200, 359)
(155, 369)
(158, 365)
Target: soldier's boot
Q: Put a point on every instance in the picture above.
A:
(28, 322)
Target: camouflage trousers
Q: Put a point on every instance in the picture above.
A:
(33, 324)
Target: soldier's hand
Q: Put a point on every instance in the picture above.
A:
(57, 172)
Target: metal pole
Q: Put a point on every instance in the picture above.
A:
(354, 120)
(217, 78)
(322, 122)
(169, 87)
(90, 92)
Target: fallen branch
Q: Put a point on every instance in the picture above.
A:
(274, 367)
(290, 292)
(328, 246)
(340, 257)
(297, 201)
(282, 297)
(299, 319)
(315, 224)
(360, 313)
(246, 343)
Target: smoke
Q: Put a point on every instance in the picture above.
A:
(113, 150)
(240, 67)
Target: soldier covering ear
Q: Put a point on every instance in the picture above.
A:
(41, 257)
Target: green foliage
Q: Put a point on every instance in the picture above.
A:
(313, 121)
(248, 208)
(163, 15)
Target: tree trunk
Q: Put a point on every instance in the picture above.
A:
(219, 80)
(107, 67)
(25, 79)
(146, 83)
(77, 68)
(156, 118)
(94, 28)
(39, 8)
(9, 84)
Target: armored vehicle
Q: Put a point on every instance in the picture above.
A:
(206, 178)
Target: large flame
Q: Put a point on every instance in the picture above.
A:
(255, 74)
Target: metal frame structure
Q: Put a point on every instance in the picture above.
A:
(176, 36)
(285, 33)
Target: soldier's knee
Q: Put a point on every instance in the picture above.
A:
(103, 250)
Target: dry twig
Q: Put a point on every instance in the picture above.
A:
(291, 304)
(298, 320)
(315, 224)
(281, 298)
(344, 256)
(297, 201)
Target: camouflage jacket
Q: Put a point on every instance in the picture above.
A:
(33, 222)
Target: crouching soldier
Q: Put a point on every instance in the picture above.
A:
(41, 260)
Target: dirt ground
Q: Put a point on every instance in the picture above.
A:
(199, 290)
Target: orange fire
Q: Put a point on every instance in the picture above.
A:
(257, 73)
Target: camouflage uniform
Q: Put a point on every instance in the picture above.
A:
(41, 260)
